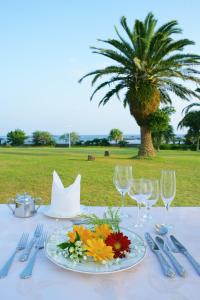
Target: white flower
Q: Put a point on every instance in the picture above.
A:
(77, 249)
(78, 243)
(71, 249)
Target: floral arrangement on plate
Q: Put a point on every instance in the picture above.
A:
(100, 240)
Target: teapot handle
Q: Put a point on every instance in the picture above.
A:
(39, 202)
(9, 202)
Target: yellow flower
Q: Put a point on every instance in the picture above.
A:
(84, 233)
(98, 250)
(102, 231)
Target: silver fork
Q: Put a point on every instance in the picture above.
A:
(37, 233)
(28, 270)
(20, 246)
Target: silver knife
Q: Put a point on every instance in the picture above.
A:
(179, 268)
(184, 251)
(167, 269)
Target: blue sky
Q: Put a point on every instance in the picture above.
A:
(45, 50)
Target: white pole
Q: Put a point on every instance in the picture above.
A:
(69, 140)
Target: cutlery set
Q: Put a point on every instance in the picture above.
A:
(160, 246)
(37, 242)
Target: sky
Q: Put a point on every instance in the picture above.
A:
(45, 49)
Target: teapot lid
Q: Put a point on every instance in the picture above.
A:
(24, 198)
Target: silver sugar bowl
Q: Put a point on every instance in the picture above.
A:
(24, 206)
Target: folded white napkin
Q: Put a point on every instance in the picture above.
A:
(65, 202)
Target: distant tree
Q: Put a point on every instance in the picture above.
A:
(116, 135)
(16, 137)
(179, 140)
(43, 138)
(192, 121)
(159, 125)
(190, 138)
(169, 135)
(74, 137)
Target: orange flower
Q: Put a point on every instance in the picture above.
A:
(98, 250)
(102, 231)
(72, 236)
(84, 233)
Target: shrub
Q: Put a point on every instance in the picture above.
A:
(43, 138)
(16, 137)
(123, 143)
(176, 147)
(97, 142)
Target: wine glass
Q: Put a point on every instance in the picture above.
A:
(152, 199)
(122, 179)
(137, 193)
(168, 188)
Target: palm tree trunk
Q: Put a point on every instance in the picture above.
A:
(146, 148)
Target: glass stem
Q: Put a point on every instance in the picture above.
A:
(138, 216)
(123, 200)
(122, 203)
(166, 213)
(148, 210)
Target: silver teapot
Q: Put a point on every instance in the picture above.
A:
(24, 206)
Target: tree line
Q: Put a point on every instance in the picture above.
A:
(162, 131)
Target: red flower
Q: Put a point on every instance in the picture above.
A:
(119, 243)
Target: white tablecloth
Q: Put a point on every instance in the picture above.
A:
(143, 282)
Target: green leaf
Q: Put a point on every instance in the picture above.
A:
(64, 245)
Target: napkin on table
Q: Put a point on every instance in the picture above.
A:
(65, 201)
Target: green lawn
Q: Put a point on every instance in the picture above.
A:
(30, 170)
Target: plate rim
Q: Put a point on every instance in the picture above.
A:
(45, 212)
(98, 273)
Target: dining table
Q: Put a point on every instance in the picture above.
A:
(144, 281)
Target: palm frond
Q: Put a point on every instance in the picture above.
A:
(112, 92)
(106, 83)
(148, 56)
(188, 108)
(120, 58)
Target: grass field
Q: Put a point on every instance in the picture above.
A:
(30, 170)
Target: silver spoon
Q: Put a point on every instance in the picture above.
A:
(161, 229)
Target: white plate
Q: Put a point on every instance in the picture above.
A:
(49, 213)
(138, 251)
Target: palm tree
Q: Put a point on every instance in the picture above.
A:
(116, 135)
(147, 64)
(192, 120)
